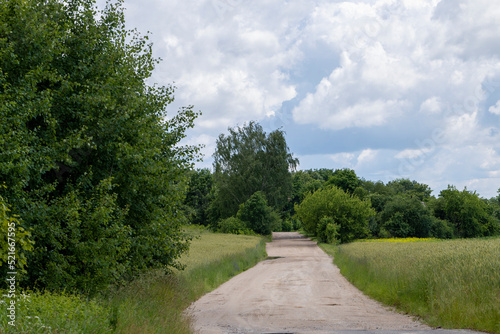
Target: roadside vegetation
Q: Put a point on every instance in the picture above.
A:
(449, 284)
(152, 303)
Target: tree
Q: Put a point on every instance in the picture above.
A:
(350, 213)
(346, 179)
(408, 217)
(257, 215)
(411, 189)
(468, 213)
(91, 161)
(199, 195)
(302, 184)
(248, 160)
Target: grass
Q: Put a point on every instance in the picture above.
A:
(153, 303)
(449, 284)
(55, 313)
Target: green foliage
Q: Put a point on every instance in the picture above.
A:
(199, 195)
(407, 217)
(411, 189)
(89, 156)
(468, 214)
(234, 225)
(89, 239)
(258, 216)
(45, 312)
(249, 160)
(286, 225)
(349, 212)
(15, 242)
(327, 230)
(345, 179)
(302, 184)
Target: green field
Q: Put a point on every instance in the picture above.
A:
(449, 284)
(153, 303)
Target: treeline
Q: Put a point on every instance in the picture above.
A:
(333, 205)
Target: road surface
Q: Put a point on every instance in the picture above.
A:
(297, 290)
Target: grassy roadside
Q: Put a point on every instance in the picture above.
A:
(154, 303)
(449, 284)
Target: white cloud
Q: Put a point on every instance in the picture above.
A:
(406, 68)
(432, 105)
(495, 109)
(412, 153)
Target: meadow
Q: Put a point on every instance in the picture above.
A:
(153, 303)
(449, 284)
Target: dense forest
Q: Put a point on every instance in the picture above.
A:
(96, 186)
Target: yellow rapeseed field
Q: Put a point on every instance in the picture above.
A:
(399, 240)
(453, 283)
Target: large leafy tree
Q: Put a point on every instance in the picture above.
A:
(249, 160)
(90, 159)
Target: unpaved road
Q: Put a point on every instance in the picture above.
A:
(300, 291)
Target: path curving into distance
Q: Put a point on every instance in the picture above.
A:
(297, 290)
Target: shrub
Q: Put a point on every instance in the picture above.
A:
(258, 216)
(234, 226)
(327, 230)
(349, 212)
(407, 217)
(286, 225)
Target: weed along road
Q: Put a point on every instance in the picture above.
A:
(297, 290)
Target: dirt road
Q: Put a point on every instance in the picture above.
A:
(299, 291)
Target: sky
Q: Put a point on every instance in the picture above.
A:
(390, 88)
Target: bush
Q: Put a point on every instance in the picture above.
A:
(441, 229)
(234, 226)
(286, 226)
(407, 217)
(297, 224)
(349, 212)
(258, 216)
(327, 230)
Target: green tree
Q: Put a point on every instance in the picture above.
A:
(302, 184)
(90, 158)
(248, 160)
(199, 195)
(411, 189)
(258, 216)
(409, 217)
(345, 179)
(350, 213)
(468, 213)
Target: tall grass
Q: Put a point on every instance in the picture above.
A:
(153, 303)
(450, 284)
